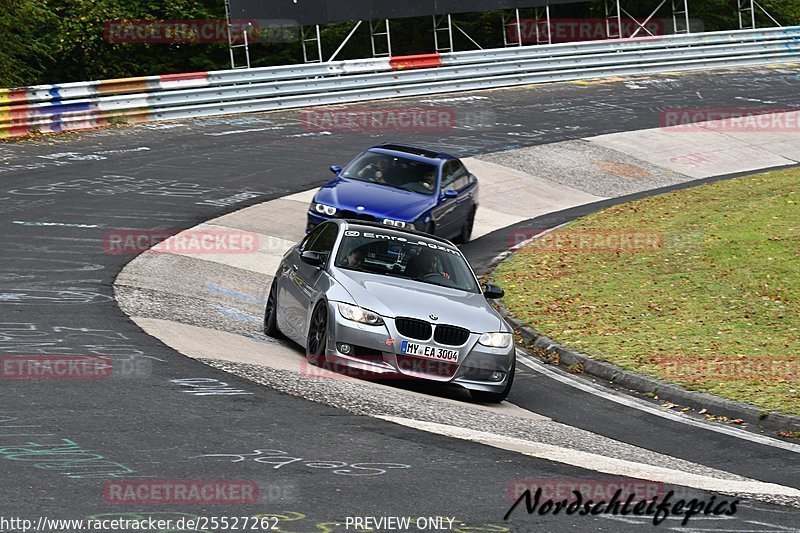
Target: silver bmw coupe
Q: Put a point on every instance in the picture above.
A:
(381, 302)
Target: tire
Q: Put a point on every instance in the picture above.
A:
(271, 313)
(317, 335)
(466, 229)
(496, 397)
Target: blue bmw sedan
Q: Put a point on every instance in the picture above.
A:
(401, 186)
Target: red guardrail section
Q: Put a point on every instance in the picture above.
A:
(415, 61)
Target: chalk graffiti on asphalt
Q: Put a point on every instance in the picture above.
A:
(280, 458)
(114, 184)
(208, 387)
(26, 265)
(51, 297)
(63, 456)
(31, 339)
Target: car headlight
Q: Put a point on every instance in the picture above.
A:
(398, 223)
(495, 340)
(324, 209)
(359, 314)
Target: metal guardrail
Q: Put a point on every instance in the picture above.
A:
(52, 108)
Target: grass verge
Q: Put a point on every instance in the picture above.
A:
(699, 287)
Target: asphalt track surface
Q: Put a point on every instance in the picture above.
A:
(56, 298)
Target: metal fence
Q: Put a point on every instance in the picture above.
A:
(69, 106)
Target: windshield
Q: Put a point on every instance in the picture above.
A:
(405, 256)
(393, 171)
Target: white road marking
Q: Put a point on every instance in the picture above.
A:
(755, 100)
(641, 405)
(453, 99)
(251, 130)
(715, 530)
(310, 134)
(61, 224)
(601, 463)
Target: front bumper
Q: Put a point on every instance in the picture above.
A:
(315, 219)
(375, 352)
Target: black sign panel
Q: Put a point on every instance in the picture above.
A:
(308, 12)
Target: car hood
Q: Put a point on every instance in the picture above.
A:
(393, 297)
(377, 200)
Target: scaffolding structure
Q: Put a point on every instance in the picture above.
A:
(516, 30)
(751, 7)
(234, 46)
(614, 19)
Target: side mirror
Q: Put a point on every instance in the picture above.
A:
(336, 169)
(312, 258)
(493, 292)
(450, 193)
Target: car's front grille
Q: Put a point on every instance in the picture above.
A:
(450, 335)
(357, 215)
(413, 328)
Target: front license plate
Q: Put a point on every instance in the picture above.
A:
(431, 352)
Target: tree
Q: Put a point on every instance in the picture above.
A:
(27, 41)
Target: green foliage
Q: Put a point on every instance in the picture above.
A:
(84, 53)
(713, 306)
(63, 40)
(26, 40)
(50, 41)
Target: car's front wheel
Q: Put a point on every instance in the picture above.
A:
(271, 312)
(317, 335)
(496, 397)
